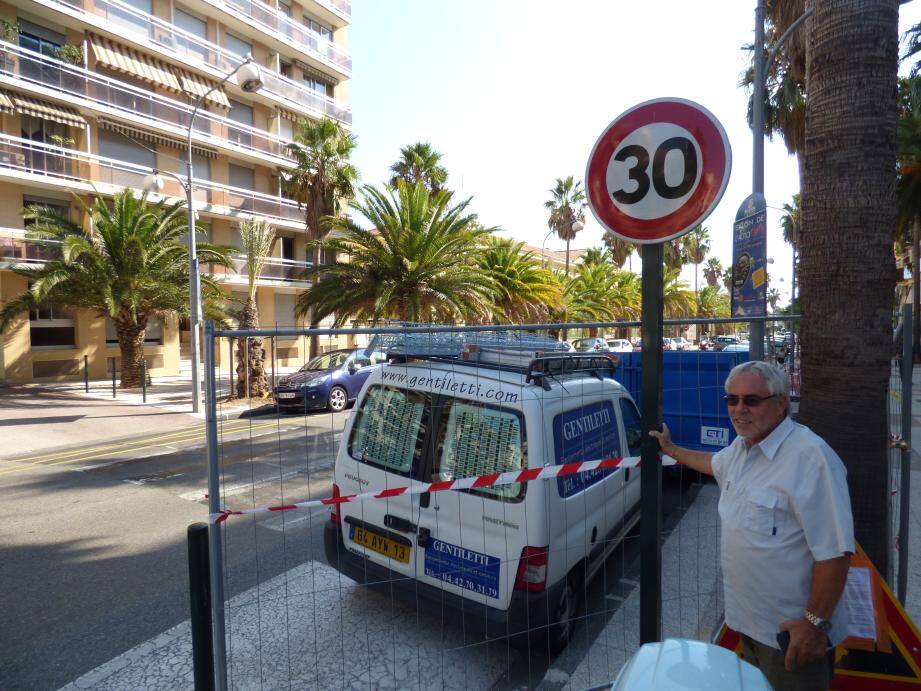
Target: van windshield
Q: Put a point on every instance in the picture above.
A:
(389, 430)
(475, 439)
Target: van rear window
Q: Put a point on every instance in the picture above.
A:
(389, 429)
(477, 440)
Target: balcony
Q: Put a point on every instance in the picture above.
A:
(18, 250)
(24, 159)
(274, 270)
(288, 31)
(180, 45)
(82, 88)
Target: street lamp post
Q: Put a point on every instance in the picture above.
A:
(762, 68)
(250, 79)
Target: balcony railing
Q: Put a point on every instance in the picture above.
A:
(341, 7)
(189, 47)
(273, 21)
(275, 269)
(73, 81)
(23, 250)
(18, 155)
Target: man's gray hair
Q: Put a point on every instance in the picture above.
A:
(775, 378)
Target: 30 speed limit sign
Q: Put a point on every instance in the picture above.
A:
(658, 170)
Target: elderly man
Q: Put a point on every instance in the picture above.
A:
(787, 530)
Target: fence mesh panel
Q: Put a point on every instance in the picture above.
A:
(487, 587)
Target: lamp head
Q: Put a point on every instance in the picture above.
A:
(153, 183)
(577, 226)
(249, 77)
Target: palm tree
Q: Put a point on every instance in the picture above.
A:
(523, 289)
(323, 179)
(257, 238)
(567, 207)
(697, 244)
(417, 264)
(713, 271)
(773, 297)
(712, 302)
(620, 249)
(419, 162)
(790, 221)
(674, 254)
(846, 262)
(595, 255)
(129, 264)
(580, 301)
(677, 300)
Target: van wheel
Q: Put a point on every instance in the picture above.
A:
(564, 616)
(338, 399)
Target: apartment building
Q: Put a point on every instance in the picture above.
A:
(98, 93)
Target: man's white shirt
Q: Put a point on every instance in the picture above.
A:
(783, 506)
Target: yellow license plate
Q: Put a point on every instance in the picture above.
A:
(380, 544)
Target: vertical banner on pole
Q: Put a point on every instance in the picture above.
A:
(749, 258)
(657, 171)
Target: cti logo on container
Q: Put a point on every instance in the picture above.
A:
(714, 436)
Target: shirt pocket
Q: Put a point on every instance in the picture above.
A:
(762, 511)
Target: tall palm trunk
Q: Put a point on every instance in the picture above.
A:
(131, 347)
(846, 263)
(251, 378)
(567, 256)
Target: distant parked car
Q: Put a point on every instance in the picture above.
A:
(720, 342)
(680, 343)
(619, 345)
(331, 380)
(735, 348)
(590, 345)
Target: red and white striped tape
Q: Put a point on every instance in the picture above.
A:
(491, 480)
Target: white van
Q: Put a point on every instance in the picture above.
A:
(511, 559)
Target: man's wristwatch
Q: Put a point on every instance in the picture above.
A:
(823, 625)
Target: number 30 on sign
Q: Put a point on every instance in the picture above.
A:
(658, 170)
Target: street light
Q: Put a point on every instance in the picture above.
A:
(249, 78)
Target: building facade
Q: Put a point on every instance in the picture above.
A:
(98, 93)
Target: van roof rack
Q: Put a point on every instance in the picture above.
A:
(454, 344)
(542, 369)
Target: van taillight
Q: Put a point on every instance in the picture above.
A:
(532, 570)
(336, 515)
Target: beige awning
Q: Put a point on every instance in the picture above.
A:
(310, 71)
(152, 137)
(6, 105)
(197, 86)
(45, 110)
(129, 61)
(288, 115)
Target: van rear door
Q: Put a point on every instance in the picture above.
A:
(473, 538)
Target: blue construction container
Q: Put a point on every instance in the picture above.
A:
(692, 394)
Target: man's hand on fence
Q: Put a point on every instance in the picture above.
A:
(664, 438)
(807, 643)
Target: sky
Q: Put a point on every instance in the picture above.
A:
(514, 93)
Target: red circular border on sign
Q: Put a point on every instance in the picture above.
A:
(714, 149)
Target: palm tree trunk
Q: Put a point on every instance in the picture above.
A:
(847, 269)
(567, 256)
(131, 346)
(251, 378)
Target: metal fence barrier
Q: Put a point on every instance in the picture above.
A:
(492, 586)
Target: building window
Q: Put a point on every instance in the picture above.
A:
(195, 26)
(201, 167)
(153, 334)
(56, 205)
(284, 309)
(324, 30)
(237, 45)
(287, 248)
(130, 20)
(285, 128)
(320, 87)
(242, 178)
(39, 39)
(51, 327)
(284, 7)
(117, 146)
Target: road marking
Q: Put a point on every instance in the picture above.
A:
(76, 457)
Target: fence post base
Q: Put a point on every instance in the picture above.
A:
(200, 601)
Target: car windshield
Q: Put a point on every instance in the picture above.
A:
(326, 361)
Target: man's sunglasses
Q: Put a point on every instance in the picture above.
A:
(749, 401)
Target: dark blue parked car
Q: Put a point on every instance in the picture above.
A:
(331, 380)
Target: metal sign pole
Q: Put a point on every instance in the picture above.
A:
(651, 474)
(756, 329)
(905, 459)
(215, 555)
